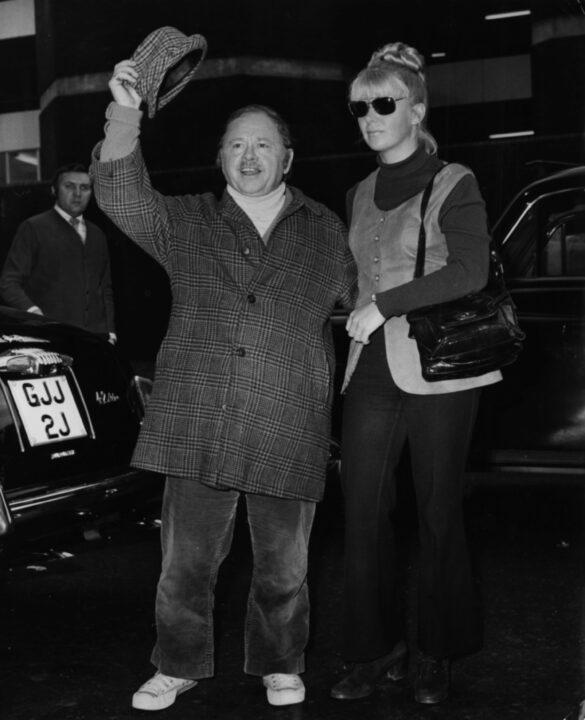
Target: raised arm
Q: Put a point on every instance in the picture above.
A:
(122, 185)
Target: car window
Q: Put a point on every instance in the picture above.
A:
(564, 251)
(549, 241)
(519, 253)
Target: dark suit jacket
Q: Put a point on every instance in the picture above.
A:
(49, 266)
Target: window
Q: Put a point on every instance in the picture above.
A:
(21, 166)
(550, 239)
(564, 252)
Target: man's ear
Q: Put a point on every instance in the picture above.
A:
(288, 160)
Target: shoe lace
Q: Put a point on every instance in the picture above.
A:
(160, 683)
(280, 680)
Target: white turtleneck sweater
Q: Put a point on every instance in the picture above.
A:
(263, 210)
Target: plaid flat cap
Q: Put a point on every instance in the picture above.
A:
(166, 60)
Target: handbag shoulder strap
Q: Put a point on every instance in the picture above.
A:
(422, 235)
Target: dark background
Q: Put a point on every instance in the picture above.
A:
(297, 57)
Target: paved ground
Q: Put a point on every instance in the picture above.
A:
(76, 630)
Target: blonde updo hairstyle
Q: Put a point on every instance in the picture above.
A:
(406, 64)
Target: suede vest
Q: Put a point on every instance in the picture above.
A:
(384, 244)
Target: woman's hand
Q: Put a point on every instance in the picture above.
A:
(362, 322)
(122, 84)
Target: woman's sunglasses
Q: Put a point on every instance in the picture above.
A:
(382, 106)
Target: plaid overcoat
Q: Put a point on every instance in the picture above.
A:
(243, 382)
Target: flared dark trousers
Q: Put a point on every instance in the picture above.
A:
(378, 420)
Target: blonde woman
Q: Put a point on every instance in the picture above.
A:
(388, 404)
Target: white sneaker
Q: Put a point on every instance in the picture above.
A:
(160, 691)
(284, 689)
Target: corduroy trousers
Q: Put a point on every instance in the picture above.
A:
(379, 419)
(197, 531)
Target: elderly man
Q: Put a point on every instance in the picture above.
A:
(241, 400)
(58, 264)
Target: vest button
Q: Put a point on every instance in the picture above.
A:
(251, 298)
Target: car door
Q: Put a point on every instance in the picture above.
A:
(535, 418)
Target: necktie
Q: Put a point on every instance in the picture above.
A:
(75, 223)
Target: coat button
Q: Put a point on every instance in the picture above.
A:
(240, 352)
(251, 298)
(246, 251)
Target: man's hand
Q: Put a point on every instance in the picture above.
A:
(122, 84)
(363, 321)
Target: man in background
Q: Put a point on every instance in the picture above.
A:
(58, 264)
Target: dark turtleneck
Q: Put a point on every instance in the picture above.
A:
(397, 182)
(462, 220)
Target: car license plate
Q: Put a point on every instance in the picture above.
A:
(47, 409)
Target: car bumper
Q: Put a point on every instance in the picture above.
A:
(93, 497)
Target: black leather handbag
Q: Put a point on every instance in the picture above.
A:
(468, 336)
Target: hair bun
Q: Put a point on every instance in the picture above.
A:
(400, 54)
